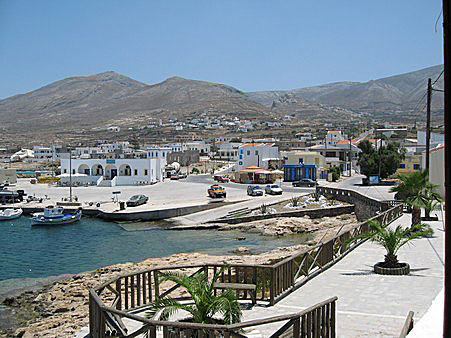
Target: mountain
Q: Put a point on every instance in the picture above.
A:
(399, 93)
(113, 99)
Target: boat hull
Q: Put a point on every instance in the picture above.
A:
(64, 219)
(12, 214)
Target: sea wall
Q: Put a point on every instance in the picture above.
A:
(364, 206)
(312, 213)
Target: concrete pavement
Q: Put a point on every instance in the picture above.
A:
(370, 305)
(377, 192)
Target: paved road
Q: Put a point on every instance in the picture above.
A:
(286, 186)
(355, 183)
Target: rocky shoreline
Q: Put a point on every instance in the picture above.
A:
(60, 309)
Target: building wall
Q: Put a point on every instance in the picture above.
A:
(127, 171)
(253, 155)
(437, 169)
(410, 164)
(8, 176)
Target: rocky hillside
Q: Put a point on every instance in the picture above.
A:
(112, 99)
(400, 93)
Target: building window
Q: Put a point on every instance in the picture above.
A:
(241, 157)
(241, 151)
(248, 152)
(65, 171)
(73, 171)
(146, 172)
(136, 172)
(416, 166)
(402, 166)
(256, 153)
(241, 162)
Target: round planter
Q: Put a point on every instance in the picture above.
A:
(403, 269)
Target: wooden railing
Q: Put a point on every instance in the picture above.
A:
(316, 321)
(112, 301)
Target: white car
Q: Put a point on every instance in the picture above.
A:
(254, 190)
(273, 189)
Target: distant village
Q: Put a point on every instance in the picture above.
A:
(309, 154)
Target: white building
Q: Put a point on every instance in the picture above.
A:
(436, 167)
(100, 171)
(113, 147)
(201, 146)
(256, 154)
(228, 150)
(333, 137)
(43, 154)
(436, 138)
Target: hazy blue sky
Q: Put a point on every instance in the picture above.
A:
(249, 44)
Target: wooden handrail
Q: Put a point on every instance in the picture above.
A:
(237, 326)
(136, 289)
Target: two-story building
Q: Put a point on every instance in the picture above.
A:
(303, 164)
(256, 154)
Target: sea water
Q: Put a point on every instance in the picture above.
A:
(32, 256)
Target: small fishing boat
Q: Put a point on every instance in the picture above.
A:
(55, 216)
(8, 214)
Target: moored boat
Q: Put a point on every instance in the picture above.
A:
(7, 214)
(55, 216)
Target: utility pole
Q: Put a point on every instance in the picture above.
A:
(447, 96)
(428, 123)
(350, 155)
(70, 175)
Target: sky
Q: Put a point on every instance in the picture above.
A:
(248, 44)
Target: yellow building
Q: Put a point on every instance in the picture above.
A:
(304, 164)
(410, 164)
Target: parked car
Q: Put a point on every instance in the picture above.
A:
(137, 200)
(175, 177)
(254, 190)
(182, 175)
(273, 189)
(305, 182)
(223, 179)
(216, 191)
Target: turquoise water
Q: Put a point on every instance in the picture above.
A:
(31, 255)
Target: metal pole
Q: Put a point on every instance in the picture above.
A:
(447, 113)
(428, 123)
(70, 175)
(350, 154)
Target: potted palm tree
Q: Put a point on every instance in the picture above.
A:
(429, 198)
(205, 308)
(392, 239)
(409, 190)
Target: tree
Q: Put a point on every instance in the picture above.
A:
(393, 239)
(205, 303)
(335, 171)
(410, 190)
(385, 160)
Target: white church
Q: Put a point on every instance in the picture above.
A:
(137, 168)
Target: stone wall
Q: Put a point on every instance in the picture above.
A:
(312, 213)
(364, 206)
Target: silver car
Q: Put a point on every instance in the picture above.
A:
(254, 190)
(273, 189)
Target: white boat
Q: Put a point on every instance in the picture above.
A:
(7, 214)
(55, 216)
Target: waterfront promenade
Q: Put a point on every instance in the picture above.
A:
(370, 305)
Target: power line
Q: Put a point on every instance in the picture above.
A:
(438, 77)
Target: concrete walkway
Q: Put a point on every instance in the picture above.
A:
(199, 218)
(370, 305)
